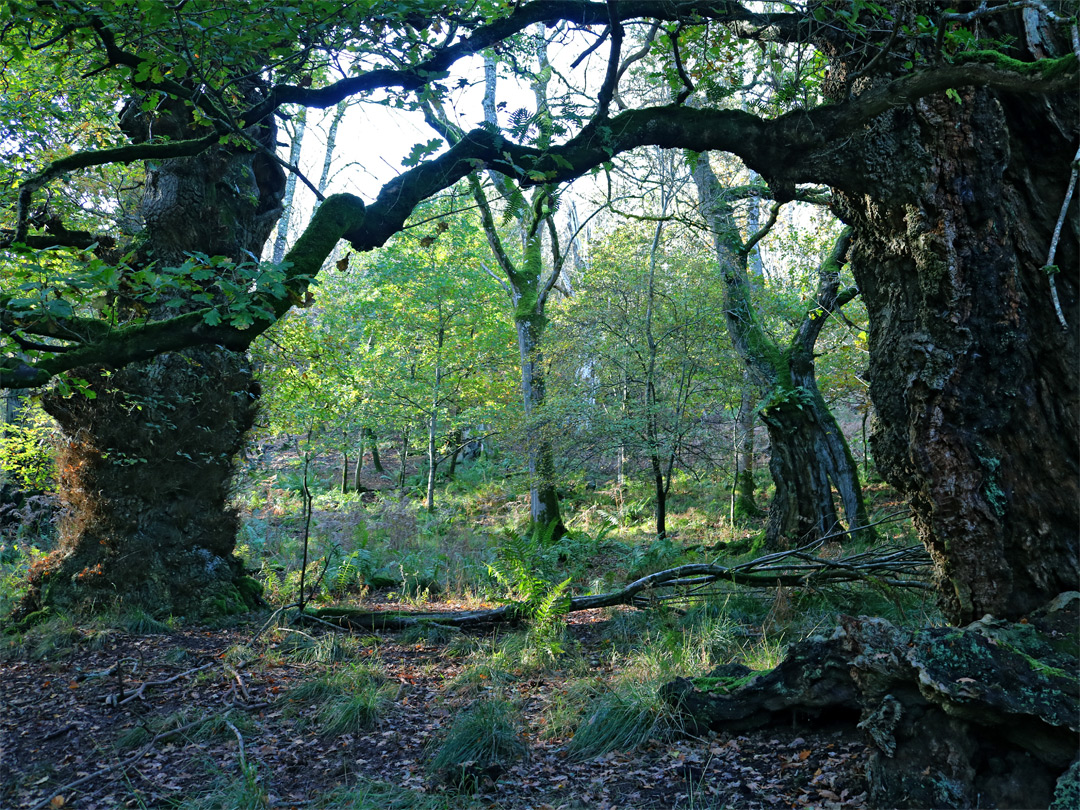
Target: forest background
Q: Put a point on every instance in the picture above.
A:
(562, 343)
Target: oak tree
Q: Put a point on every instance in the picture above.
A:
(948, 139)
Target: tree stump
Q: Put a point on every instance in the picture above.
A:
(981, 716)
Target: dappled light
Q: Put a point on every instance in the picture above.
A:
(548, 404)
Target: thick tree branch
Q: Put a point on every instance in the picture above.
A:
(116, 347)
(783, 26)
(131, 153)
(786, 151)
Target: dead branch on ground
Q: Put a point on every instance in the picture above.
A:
(893, 567)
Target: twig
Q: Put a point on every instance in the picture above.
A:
(123, 764)
(270, 621)
(142, 688)
(239, 682)
(105, 673)
(60, 732)
(1049, 267)
(240, 742)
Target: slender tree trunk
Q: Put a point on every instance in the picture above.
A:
(345, 473)
(661, 496)
(281, 241)
(744, 503)
(404, 458)
(433, 422)
(622, 461)
(455, 444)
(331, 144)
(373, 445)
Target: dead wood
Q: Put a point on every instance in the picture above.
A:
(897, 567)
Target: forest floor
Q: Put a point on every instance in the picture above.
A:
(66, 718)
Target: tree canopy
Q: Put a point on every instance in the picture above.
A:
(231, 69)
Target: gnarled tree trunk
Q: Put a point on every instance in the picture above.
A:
(809, 454)
(145, 470)
(973, 367)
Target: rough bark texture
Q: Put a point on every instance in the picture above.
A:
(986, 716)
(145, 470)
(974, 380)
(144, 480)
(809, 454)
(809, 458)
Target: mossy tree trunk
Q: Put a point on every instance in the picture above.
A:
(973, 352)
(543, 495)
(744, 504)
(147, 460)
(809, 455)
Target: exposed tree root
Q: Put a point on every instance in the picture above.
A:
(983, 716)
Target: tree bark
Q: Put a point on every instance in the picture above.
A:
(148, 454)
(744, 504)
(973, 376)
(985, 716)
(543, 495)
(809, 455)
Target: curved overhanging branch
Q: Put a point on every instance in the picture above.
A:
(116, 347)
(787, 142)
(130, 153)
(784, 150)
(781, 25)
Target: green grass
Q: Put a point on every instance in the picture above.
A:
(329, 648)
(204, 726)
(243, 791)
(628, 715)
(375, 795)
(348, 700)
(481, 743)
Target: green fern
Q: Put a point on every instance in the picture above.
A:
(519, 569)
(550, 609)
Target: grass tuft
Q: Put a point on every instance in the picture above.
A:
(481, 743)
(344, 702)
(630, 714)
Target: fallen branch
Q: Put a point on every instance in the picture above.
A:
(894, 567)
(138, 693)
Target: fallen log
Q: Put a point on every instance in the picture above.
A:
(982, 716)
(896, 567)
